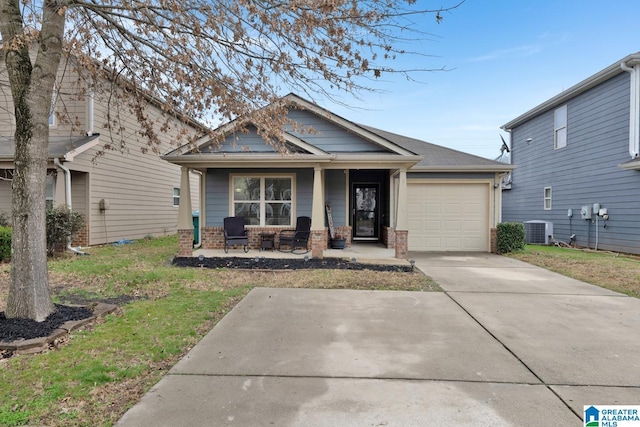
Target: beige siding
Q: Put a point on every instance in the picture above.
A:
(5, 196)
(139, 186)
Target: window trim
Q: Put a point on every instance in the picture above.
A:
(176, 197)
(557, 128)
(262, 201)
(547, 198)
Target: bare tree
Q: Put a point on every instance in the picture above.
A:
(207, 59)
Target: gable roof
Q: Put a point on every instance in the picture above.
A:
(441, 159)
(395, 150)
(61, 147)
(601, 76)
(297, 140)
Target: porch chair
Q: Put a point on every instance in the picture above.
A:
(298, 238)
(234, 233)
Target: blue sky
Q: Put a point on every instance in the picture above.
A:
(504, 58)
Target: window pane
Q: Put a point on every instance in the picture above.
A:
(246, 188)
(249, 211)
(277, 188)
(561, 138)
(278, 213)
(560, 117)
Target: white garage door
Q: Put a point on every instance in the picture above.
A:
(448, 217)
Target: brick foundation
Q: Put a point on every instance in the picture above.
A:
(185, 243)
(341, 232)
(402, 244)
(389, 237)
(213, 237)
(318, 243)
(81, 238)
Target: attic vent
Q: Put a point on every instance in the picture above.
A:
(538, 232)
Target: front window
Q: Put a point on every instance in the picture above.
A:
(560, 127)
(263, 200)
(176, 196)
(547, 198)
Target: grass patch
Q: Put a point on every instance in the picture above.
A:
(618, 272)
(105, 368)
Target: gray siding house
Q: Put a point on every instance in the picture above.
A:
(578, 165)
(382, 187)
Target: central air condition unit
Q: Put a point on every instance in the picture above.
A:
(538, 232)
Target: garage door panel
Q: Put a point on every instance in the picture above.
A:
(448, 217)
(452, 226)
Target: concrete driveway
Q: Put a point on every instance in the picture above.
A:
(505, 344)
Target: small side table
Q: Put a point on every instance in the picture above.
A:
(267, 241)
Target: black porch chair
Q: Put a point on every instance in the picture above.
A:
(297, 239)
(234, 233)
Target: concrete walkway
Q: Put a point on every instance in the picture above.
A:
(506, 344)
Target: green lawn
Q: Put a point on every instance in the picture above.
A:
(618, 272)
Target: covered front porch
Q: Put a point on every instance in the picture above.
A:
(365, 202)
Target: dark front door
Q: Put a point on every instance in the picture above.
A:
(366, 211)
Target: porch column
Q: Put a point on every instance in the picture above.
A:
(402, 219)
(185, 219)
(318, 234)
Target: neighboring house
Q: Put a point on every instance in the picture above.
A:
(578, 166)
(382, 187)
(123, 194)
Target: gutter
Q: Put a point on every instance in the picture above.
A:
(634, 106)
(67, 198)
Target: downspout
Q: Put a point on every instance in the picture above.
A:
(634, 108)
(90, 108)
(67, 197)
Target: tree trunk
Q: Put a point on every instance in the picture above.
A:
(32, 89)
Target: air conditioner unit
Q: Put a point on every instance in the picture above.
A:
(538, 232)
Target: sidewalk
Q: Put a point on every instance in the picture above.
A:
(506, 344)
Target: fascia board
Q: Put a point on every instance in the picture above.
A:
(470, 168)
(68, 157)
(246, 160)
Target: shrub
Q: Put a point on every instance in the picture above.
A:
(62, 223)
(5, 243)
(510, 237)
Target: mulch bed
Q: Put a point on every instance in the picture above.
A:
(14, 329)
(262, 263)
